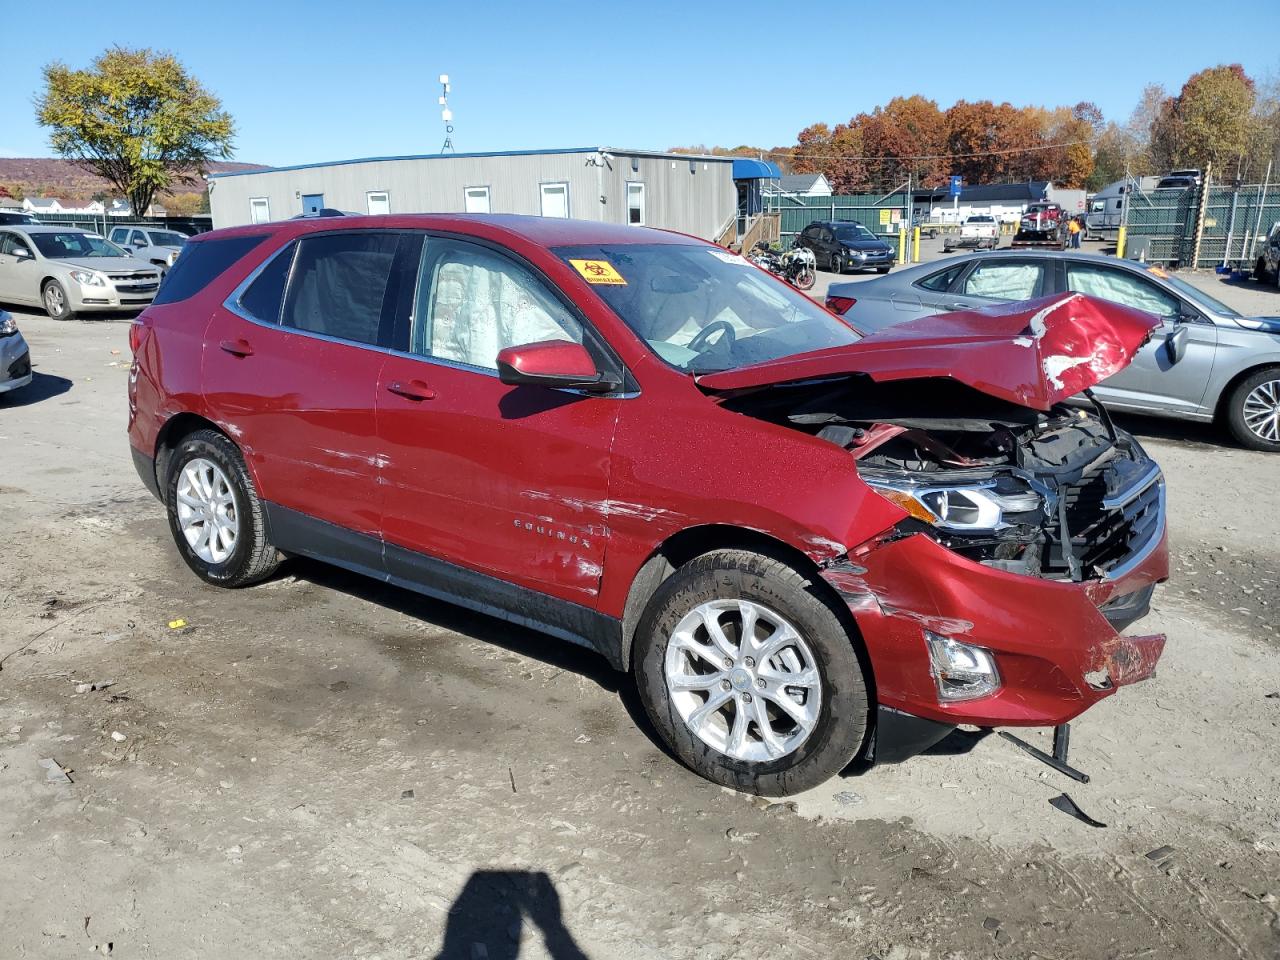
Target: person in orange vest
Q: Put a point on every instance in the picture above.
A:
(1074, 228)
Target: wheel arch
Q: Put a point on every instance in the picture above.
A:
(177, 427)
(1224, 395)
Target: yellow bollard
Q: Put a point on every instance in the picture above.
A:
(902, 245)
(1120, 242)
(915, 245)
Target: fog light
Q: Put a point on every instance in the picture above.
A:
(961, 670)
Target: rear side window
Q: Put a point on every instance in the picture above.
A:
(338, 285)
(201, 263)
(264, 297)
(941, 280)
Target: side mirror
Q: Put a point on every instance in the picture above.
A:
(552, 363)
(22, 253)
(1176, 343)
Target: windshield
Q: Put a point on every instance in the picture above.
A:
(74, 246)
(854, 231)
(166, 238)
(703, 309)
(1195, 294)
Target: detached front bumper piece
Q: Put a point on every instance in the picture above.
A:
(1055, 648)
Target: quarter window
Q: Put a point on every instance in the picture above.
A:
(202, 262)
(476, 200)
(379, 202)
(472, 302)
(635, 203)
(259, 210)
(1004, 281)
(1119, 287)
(265, 295)
(338, 285)
(942, 280)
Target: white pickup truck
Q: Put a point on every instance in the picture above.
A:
(980, 231)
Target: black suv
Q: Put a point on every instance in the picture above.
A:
(840, 243)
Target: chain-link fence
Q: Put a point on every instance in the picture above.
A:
(1202, 227)
(101, 224)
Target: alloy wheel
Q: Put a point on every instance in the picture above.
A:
(207, 514)
(1261, 411)
(743, 680)
(55, 301)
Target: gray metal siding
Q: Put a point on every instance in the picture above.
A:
(698, 201)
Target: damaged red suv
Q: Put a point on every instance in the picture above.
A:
(807, 546)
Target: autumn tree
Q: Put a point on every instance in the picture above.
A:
(137, 119)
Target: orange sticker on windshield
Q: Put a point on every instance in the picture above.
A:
(598, 271)
(1159, 272)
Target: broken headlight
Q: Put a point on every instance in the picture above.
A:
(961, 670)
(965, 508)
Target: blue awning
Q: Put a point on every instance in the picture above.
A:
(747, 169)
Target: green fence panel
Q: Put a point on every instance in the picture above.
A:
(1234, 220)
(798, 212)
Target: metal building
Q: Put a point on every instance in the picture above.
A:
(692, 194)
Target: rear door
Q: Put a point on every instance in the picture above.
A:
(1153, 380)
(291, 365)
(508, 481)
(992, 280)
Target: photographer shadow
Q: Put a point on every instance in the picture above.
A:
(498, 909)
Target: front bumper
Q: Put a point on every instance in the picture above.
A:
(131, 293)
(872, 258)
(15, 363)
(1056, 648)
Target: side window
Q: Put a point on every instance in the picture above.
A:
(338, 285)
(119, 235)
(635, 202)
(201, 262)
(1002, 280)
(6, 244)
(1119, 286)
(265, 296)
(472, 302)
(940, 281)
(810, 233)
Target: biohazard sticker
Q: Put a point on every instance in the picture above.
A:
(598, 271)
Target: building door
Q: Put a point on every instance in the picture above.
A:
(312, 202)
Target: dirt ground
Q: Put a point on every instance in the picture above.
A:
(323, 766)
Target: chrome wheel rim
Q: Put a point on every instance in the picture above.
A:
(207, 514)
(1262, 411)
(743, 680)
(54, 300)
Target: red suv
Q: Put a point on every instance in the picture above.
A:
(808, 546)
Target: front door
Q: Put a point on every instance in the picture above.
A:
(1153, 379)
(507, 481)
(312, 202)
(291, 370)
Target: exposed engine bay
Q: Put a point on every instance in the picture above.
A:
(1061, 494)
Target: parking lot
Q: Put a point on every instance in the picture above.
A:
(327, 766)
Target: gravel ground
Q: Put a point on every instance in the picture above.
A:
(325, 766)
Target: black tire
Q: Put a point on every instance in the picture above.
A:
(253, 557)
(842, 720)
(1234, 409)
(1260, 271)
(54, 296)
(883, 269)
(837, 263)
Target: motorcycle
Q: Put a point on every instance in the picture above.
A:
(798, 266)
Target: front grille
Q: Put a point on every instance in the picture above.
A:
(20, 367)
(1104, 536)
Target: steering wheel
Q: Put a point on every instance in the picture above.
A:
(699, 342)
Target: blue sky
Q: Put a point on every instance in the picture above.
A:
(327, 80)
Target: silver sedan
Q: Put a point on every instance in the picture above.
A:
(69, 271)
(1205, 362)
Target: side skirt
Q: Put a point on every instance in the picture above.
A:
(361, 553)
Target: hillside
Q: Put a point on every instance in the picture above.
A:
(49, 177)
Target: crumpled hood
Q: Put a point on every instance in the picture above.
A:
(1034, 353)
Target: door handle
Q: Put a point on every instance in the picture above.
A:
(411, 389)
(957, 306)
(237, 348)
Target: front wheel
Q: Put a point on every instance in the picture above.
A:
(215, 515)
(1260, 271)
(1253, 411)
(749, 675)
(56, 303)
(837, 263)
(804, 279)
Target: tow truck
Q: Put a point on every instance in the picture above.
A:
(1042, 225)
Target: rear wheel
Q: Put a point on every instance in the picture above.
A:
(1253, 411)
(749, 675)
(215, 515)
(1260, 271)
(56, 303)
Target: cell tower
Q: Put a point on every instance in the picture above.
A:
(446, 114)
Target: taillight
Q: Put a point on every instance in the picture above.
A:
(840, 305)
(138, 332)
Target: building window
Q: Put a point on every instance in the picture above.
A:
(555, 199)
(379, 202)
(259, 210)
(476, 200)
(635, 203)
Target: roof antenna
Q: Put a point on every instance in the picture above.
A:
(446, 114)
